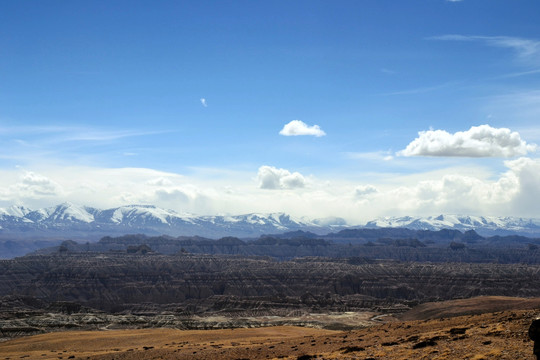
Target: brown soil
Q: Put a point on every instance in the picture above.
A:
(472, 306)
(501, 335)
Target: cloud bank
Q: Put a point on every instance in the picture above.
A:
(297, 127)
(464, 190)
(270, 177)
(478, 141)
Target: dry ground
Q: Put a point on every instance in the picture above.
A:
(500, 335)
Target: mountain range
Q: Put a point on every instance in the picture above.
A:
(484, 225)
(23, 230)
(68, 220)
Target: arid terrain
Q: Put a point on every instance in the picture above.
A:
(494, 335)
(135, 304)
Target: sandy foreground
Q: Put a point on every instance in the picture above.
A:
(501, 335)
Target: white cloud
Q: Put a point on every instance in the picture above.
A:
(203, 102)
(478, 141)
(270, 177)
(297, 127)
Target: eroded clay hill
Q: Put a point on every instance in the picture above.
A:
(200, 283)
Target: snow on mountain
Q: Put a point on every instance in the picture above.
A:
(69, 212)
(69, 220)
(140, 213)
(150, 219)
(63, 213)
(482, 224)
(19, 211)
(280, 221)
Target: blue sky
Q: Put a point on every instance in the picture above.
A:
(181, 104)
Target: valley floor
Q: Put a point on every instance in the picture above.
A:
(499, 335)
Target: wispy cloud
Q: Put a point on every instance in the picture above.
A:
(523, 107)
(371, 156)
(72, 133)
(478, 141)
(518, 74)
(527, 50)
(35, 144)
(203, 102)
(99, 135)
(297, 127)
(425, 89)
(388, 71)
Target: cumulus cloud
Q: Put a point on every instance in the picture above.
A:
(478, 141)
(297, 127)
(33, 184)
(270, 177)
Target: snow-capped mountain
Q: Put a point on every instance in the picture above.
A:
(82, 221)
(486, 225)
